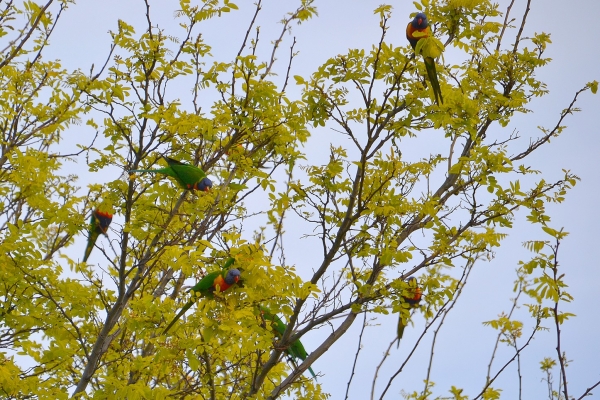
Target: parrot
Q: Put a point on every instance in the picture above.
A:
(188, 176)
(413, 302)
(207, 286)
(296, 349)
(99, 223)
(418, 29)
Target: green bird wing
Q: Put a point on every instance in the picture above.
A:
(99, 223)
(296, 349)
(206, 285)
(278, 325)
(187, 175)
(276, 322)
(203, 288)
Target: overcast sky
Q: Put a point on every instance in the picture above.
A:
(464, 346)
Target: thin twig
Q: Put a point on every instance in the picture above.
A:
(385, 356)
(512, 309)
(589, 390)
(33, 27)
(535, 329)
(561, 357)
(505, 25)
(358, 347)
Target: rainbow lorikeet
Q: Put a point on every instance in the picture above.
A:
(99, 223)
(412, 300)
(208, 285)
(416, 30)
(296, 349)
(187, 176)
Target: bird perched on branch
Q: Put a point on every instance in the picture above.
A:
(187, 176)
(99, 223)
(296, 350)
(422, 41)
(220, 280)
(412, 300)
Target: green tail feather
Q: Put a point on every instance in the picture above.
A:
(90, 245)
(292, 361)
(179, 315)
(401, 327)
(312, 373)
(435, 84)
(146, 170)
(296, 350)
(167, 171)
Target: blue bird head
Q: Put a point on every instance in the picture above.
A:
(420, 21)
(233, 275)
(204, 185)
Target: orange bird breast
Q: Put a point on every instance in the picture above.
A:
(416, 298)
(410, 30)
(220, 282)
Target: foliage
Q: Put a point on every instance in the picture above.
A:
(381, 209)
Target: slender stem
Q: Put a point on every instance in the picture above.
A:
(387, 353)
(589, 390)
(358, 347)
(535, 329)
(561, 356)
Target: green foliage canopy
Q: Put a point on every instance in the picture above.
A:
(378, 213)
